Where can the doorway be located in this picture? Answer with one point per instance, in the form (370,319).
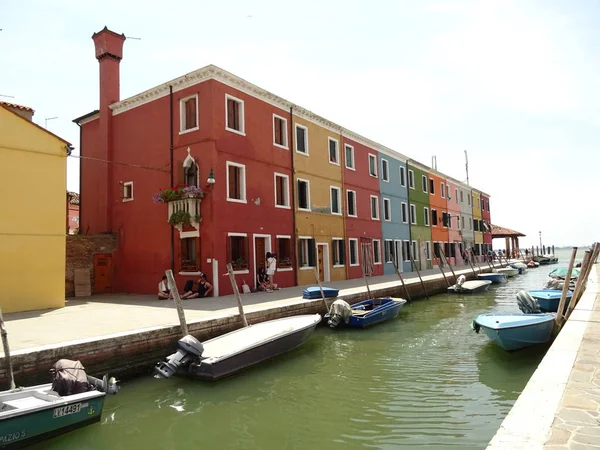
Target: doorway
(262,245)
(103,273)
(398,255)
(323,261)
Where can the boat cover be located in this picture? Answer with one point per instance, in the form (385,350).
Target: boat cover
(69,377)
(314,292)
(561,272)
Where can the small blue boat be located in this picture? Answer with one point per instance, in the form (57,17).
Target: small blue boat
(495,278)
(314,292)
(513,331)
(548,299)
(366,313)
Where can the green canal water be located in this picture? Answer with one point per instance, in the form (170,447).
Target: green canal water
(423,380)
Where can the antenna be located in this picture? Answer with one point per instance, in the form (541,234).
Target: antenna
(467,166)
(136,38)
(7,96)
(434,162)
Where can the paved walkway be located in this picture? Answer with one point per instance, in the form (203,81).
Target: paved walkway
(101,315)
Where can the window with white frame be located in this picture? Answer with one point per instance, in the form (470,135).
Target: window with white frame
(402,176)
(431,186)
(404,212)
(428,250)
(303,194)
(415,250)
(456,195)
(374,207)
(301,139)
(238,251)
(306,252)
(349,150)
(351,203)
(188,114)
(376,251)
(282,190)
(434,217)
(463,222)
(353,251)
(372,165)
(411,179)
(280,133)
(234,114)
(388,251)
(470,223)
(284,252)
(190,174)
(462,196)
(426,216)
(334,151)
(413,214)
(424,183)
(442,190)
(469,199)
(458,222)
(339,255)
(387,210)
(128,191)
(448,191)
(385,170)
(335,194)
(236,182)
(406,250)
(449,220)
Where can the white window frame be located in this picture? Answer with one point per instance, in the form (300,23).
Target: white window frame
(456,194)
(304,240)
(426,184)
(414,250)
(469,199)
(401,172)
(242,115)
(377,243)
(243,271)
(391,260)
(307,194)
(388,202)
(333,248)
(285,135)
(355,241)
(339,192)
(404,218)
(182,115)
(244,185)
(372,156)
(447,191)
(442,189)
(385,170)
(428,250)
(426,216)
(462,222)
(287,190)
(353,204)
(277,238)
(371,206)
(337,151)
(351,148)
(411,179)
(130,184)
(305,139)
(412,215)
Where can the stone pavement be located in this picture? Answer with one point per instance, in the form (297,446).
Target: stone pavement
(101,315)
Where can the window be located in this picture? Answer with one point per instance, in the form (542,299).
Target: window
(458,222)
(434,218)
(462,196)
(449,220)
(128,191)
(334,152)
(351,203)
(428,250)
(353,246)
(448,191)
(385,170)
(235,114)
(280,135)
(387,210)
(237,251)
(402,176)
(301,139)
(188,255)
(456,194)
(413,214)
(388,250)
(372,165)
(406,250)
(403,212)
(188,114)
(463,222)
(282,190)
(190,174)
(303,194)
(431,186)
(339,257)
(236,182)
(436,250)
(445,220)
(349,150)
(336,207)
(424,183)
(415,251)
(426,216)
(442,191)
(411,179)
(376,251)
(284,252)
(374,207)
(470,223)
(306,251)
(476,225)
(469,199)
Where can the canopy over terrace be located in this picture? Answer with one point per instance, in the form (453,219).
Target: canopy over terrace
(511,237)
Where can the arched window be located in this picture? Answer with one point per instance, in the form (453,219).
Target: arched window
(191,175)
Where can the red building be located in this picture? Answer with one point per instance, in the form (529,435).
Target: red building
(486,217)
(206,129)
(72,212)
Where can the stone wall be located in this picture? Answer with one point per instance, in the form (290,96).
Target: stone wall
(80,255)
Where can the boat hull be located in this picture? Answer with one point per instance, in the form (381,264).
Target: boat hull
(549,299)
(495,278)
(471,287)
(508,271)
(389,310)
(519,336)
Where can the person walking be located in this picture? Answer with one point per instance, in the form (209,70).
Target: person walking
(271,268)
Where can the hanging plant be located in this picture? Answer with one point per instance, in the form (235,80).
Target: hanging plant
(179,192)
(180,218)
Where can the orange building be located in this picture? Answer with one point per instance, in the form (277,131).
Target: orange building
(440,221)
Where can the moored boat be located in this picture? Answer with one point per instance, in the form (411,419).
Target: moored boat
(513,331)
(314,292)
(495,278)
(363,314)
(508,271)
(468,287)
(548,299)
(521,267)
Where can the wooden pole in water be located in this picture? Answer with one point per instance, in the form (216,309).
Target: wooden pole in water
(321,289)
(9,368)
(365,253)
(442,270)
(401,280)
(476,262)
(470,252)
(581,280)
(419,273)
(585,271)
(447,262)
(177,298)
(236,291)
(563,298)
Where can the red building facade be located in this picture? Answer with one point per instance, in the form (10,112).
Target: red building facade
(486,217)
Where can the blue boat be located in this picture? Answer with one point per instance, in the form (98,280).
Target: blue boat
(513,331)
(364,314)
(548,299)
(314,292)
(495,278)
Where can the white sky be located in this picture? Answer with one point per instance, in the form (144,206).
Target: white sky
(514,82)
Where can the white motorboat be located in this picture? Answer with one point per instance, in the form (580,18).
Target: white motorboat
(469,287)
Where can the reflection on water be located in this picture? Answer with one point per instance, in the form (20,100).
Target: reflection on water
(425,379)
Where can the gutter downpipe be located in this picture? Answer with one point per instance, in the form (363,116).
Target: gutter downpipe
(293,196)
(80,202)
(409,221)
(171,146)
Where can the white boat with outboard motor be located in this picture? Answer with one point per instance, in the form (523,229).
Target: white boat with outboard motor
(468,287)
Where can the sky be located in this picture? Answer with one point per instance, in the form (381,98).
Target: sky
(513,82)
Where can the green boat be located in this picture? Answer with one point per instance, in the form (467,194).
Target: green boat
(36,413)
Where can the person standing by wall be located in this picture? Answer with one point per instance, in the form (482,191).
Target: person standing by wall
(271,268)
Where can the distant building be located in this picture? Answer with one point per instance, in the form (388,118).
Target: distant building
(72,212)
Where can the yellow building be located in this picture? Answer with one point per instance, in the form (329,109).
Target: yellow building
(33,176)
(477,220)
(319,201)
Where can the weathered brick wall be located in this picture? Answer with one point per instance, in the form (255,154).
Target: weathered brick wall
(80,255)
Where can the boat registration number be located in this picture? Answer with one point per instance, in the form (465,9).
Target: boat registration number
(11,437)
(67,410)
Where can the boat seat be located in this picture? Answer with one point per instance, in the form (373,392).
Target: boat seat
(360,312)
(26,402)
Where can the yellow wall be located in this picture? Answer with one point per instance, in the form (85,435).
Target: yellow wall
(476,196)
(319,223)
(33,218)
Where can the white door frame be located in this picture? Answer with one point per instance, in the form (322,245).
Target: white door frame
(398,254)
(326,274)
(267,249)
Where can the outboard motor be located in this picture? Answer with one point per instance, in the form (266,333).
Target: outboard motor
(554,283)
(189,348)
(459,282)
(527,303)
(107,385)
(340,310)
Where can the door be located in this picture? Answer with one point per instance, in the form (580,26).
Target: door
(323,262)
(260,253)
(102,273)
(398,255)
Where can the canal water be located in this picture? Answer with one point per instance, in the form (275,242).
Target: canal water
(423,380)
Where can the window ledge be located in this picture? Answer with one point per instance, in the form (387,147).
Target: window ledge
(334,163)
(240,272)
(338,266)
(353,216)
(307,268)
(127,200)
(188,130)
(302,153)
(241,133)
(377,263)
(351,168)
(285,269)
(189,273)
(354,265)
(236,200)
(284,147)
(304,209)
(283,206)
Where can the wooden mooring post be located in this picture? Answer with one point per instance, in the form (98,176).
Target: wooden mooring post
(236,292)
(586,267)
(397,269)
(177,298)
(448,263)
(9,368)
(563,298)
(321,289)
(419,273)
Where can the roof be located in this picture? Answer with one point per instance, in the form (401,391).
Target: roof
(14,105)
(73,198)
(2,105)
(500,232)
(85,116)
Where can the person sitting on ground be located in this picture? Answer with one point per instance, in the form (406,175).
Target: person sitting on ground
(204,289)
(164,292)
(262,280)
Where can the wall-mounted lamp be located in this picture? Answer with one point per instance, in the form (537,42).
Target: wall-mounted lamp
(211,177)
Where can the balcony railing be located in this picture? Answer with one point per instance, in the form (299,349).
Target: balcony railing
(185,212)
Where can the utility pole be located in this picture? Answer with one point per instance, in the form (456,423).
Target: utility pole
(467,166)
(540,240)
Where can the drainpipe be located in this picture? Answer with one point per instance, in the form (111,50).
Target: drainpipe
(343,204)
(80,231)
(293,192)
(171,145)
(409,221)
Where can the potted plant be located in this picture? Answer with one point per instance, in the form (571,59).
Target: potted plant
(188,266)
(179,192)
(239,264)
(180,218)
(284,262)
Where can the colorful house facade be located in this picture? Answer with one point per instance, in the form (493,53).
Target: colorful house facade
(440,220)
(485,215)
(456,229)
(419,214)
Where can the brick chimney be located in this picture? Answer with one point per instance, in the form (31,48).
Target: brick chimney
(109,52)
